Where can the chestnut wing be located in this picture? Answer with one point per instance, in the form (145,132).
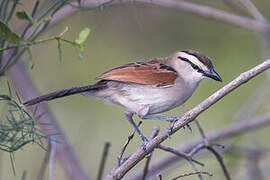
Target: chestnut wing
(152,73)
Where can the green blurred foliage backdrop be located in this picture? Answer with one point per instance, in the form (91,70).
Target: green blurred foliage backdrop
(121,34)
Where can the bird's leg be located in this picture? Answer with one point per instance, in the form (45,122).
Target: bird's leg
(171,119)
(163,118)
(130,119)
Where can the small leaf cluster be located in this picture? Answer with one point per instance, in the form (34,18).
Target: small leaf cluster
(21,42)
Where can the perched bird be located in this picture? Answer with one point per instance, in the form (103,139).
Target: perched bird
(148,87)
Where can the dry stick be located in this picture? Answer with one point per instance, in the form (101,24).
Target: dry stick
(183,155)
(188,117)
(226,133)
(220,160)
(103,160)
(209,146)
(130,137)
(180,154)
(154,133)
(193,173)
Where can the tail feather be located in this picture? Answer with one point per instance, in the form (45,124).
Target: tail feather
(63,93)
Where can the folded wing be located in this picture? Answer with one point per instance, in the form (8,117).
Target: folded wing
(152,73)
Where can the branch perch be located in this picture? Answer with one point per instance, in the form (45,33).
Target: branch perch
(188,117)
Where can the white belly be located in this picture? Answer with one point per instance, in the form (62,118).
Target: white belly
(144,100)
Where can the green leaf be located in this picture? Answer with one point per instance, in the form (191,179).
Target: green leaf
(30,57)
(23,15)
(83,36)
(9,36)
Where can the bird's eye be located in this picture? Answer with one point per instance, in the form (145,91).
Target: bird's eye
(194,66)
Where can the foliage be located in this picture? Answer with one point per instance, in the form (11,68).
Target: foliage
(22,42)
(17,127)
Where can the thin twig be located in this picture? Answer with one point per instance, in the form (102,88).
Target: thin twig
(193,173)
(154,133)
(220,160)
(180,154)
(210,148)
(130,137)
(103,160)
(188,157)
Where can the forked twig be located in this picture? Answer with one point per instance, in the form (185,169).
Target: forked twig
(130,137)
(180,154)
(210,148)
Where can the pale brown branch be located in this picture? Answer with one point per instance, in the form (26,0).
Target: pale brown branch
(226,133)
(137,156)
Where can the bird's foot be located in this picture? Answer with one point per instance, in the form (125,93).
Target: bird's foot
(188,126)
(145,142)
(172,122)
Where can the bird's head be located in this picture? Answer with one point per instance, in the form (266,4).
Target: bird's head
(194,66)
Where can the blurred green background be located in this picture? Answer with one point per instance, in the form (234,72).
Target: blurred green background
(125,33)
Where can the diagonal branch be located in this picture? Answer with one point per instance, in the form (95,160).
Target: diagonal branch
(188,117)
(226,133)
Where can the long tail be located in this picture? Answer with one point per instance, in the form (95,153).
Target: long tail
(63,93)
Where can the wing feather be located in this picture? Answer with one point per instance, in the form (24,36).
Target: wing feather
(153,73)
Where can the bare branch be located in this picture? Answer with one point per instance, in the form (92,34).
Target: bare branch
(120,157)
(220,160)
(137,156)
(180,154)
(226,133)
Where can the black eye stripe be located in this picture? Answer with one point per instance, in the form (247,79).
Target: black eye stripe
(194,66)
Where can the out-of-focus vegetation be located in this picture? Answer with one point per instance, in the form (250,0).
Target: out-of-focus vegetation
(121,34)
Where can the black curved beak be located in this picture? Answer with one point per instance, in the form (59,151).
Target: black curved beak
(212,74)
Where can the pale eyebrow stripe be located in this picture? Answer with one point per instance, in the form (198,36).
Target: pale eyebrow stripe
(194,60)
